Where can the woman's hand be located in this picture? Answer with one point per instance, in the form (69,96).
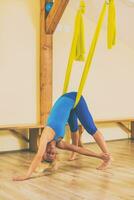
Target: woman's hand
(21,178)
(47,135)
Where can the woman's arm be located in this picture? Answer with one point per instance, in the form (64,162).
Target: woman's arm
(47,136)
(70,147)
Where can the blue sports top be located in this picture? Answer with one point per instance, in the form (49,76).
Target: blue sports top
(59,114)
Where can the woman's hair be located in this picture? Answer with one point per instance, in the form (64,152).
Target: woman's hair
(46,166)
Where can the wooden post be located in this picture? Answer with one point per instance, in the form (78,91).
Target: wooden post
(46,62)
(132,130)
(33,136)
(45,69)
(48,25)
(55,15)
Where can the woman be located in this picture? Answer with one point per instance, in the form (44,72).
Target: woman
(52,135)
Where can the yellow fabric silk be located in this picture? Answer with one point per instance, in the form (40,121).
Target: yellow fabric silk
(77,51)
(78,44)
(110,42)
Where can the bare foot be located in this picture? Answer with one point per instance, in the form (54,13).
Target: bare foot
(107,160)
(72,157)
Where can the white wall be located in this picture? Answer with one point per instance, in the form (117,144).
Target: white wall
(19,68)
(19,61)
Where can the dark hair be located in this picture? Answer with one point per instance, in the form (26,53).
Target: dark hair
(48,161)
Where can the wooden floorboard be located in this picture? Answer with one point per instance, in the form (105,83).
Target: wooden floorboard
(77,180)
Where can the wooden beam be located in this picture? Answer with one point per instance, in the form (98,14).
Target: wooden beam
(55,15)
(114,120)
(46,61)
(23,126)
(124,128)
(20,126)
(20,135)
(132,130)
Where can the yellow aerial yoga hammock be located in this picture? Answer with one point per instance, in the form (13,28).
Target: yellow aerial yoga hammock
(111,36)
(78,44)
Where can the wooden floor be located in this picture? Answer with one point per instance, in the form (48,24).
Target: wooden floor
(77,180)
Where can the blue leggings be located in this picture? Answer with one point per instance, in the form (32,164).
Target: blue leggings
(82,113)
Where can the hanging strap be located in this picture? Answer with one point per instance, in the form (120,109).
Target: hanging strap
(111,41)
(111,27)
(77,51)
(80,46)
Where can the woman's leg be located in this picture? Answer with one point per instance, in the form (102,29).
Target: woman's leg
(86,120)
(81,130)
(73,124)
(70,147)
(76,130)
(76,140)
(98,137)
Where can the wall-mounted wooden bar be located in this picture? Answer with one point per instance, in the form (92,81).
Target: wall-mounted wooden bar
(21,126)
(114,120)
(15,126)
(55,15)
